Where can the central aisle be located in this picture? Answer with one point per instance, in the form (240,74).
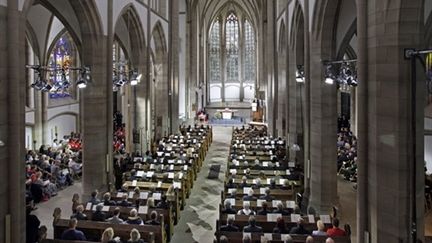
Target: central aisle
(198,219)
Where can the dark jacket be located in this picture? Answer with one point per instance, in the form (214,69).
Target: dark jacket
(99,216)
(229,211)
(79,216)
(137,220)
(249,198)
(152,222)
(252,229)
(299,230)
(229,227)
(73,234)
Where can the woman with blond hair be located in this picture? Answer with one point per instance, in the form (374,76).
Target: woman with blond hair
(135,237)
(320,229)
(108,236)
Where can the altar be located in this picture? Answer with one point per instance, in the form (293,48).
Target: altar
(227,113)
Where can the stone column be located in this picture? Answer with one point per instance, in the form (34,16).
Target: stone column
(305,103)
(320,135)
(174,40)
(270,68)
(12,123)
(385,193)
(97,110)
(362,125)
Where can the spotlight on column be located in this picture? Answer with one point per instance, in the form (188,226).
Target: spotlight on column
(47,87)
(81,84)
(329,77)
(135,78)
(84,78)
(2,143)
(300,76)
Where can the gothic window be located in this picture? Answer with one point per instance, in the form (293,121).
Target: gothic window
(215,53)
(232,48)
(231,58)
(60,60)
(249,53)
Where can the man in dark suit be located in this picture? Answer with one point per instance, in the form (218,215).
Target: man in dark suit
(229,226)
(250,196)
(124,202)
(299,229)
(267,195)
(227,208)
(264,209)
(98,215)
(252,227)
(153,219)
(281,210)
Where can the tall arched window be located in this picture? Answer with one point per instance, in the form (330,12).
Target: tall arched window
(249,62)
(60,60)
(215,61)
(231,59)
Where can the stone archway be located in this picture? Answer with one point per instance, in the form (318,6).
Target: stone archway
(163,98)
(129,30)
(12,210)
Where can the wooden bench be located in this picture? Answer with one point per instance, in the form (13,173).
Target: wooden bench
(166,217)
(243,220)
(136,200)
(237,237)
(93,230)
(65,241)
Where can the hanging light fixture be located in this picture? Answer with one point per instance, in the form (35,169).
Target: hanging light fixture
(343,72)
(121,77)
(44,86)
(329,77)
(300,75)
(83,78)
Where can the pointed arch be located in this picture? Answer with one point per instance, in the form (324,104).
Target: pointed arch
(135,33)
(282,36)
(158,39)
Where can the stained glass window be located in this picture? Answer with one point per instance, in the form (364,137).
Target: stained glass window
(231,51)
(60,60)
(249,53)
(232,48)
(215,53)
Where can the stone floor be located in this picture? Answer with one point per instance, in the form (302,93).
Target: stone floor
(63,200)
(198,219)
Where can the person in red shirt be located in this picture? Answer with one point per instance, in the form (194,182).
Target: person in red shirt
(335,230)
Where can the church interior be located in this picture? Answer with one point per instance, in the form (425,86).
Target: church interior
(189,121)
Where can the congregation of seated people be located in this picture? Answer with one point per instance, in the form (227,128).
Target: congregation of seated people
(346,151)
(52,168)
(253,154)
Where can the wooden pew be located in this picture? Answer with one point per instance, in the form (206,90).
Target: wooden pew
(243,220)
(136,200)
(237,237)
(65,241)
(165,214)
(163,187)
(93,230)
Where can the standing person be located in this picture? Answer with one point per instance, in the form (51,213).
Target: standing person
(32,229)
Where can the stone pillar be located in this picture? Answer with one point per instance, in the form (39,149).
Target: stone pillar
(320,135)
(174,41)
(270,65)
(97,110)
(305,102)
(362,125)
(385,186)
(12,124)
